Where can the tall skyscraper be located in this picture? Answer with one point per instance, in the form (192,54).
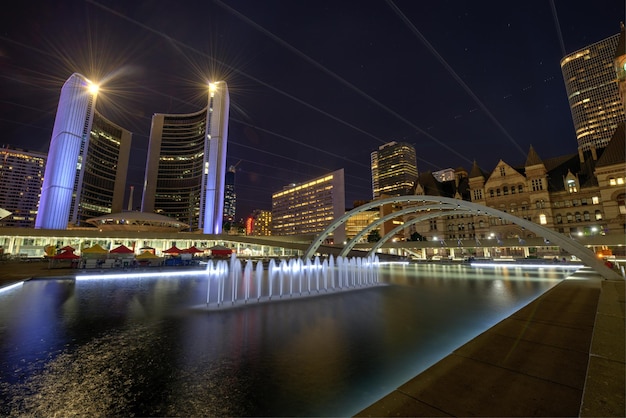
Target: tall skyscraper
(394,169)
(230,195)
(87,161)
(21,178)
(186,164)
(309,207)
(619,64)
(592,92)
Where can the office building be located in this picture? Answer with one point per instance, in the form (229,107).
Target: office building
(309,207)
(186,164)
(230,195)
(619,64)
(259,223)
(87,161)
(21,178)
(592,92)
(394,169)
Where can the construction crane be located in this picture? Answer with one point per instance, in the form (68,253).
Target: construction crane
(233,168)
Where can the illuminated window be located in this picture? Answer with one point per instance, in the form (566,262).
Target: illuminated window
(542,219)
(595,200)
(571,186)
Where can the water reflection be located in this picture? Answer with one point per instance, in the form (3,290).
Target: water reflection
(138,347)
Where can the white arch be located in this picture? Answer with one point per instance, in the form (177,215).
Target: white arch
(393,215)
(406,224)
(573,247)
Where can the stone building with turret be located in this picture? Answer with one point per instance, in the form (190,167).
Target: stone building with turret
(577,194)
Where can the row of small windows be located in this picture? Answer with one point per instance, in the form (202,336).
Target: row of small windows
(595,200)
(578,217)
(502,192)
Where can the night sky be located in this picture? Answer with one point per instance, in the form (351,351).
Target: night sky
(315,86)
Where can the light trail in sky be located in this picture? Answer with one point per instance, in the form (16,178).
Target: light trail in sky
(340,79)
(454,75)
(182,45)
(557,26)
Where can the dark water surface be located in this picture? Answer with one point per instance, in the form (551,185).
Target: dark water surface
(127,347)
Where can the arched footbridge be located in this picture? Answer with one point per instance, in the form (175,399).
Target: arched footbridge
(428,207)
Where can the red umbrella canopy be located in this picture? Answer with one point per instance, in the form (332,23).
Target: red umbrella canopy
(68,248)
(220,250)
(122,249)
(66,255)
(173,250)
(192,250)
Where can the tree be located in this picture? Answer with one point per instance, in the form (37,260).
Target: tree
(373,236)
(416,236)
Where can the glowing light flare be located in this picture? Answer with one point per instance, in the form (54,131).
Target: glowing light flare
(140,275)
(93,88)
(530,266)
(11,287)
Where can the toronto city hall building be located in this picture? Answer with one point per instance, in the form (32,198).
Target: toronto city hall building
(186,164)
(87,161)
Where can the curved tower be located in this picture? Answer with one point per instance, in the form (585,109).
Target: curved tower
(592,92)
(69,135)
(87,161)
(186,164)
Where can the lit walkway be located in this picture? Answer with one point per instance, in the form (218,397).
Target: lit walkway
(561,355)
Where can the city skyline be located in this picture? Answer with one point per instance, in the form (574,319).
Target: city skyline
(315,87)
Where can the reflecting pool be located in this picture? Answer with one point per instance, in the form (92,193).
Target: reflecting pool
(144,347)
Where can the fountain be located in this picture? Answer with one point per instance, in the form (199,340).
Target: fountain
(293,278)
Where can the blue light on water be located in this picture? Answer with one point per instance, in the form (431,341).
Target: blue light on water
(141,345)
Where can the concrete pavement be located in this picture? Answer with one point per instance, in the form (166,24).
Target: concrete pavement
(561,355)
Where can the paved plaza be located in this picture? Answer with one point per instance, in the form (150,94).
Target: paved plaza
(561,355)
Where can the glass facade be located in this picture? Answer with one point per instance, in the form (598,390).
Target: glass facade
(21,177)
(230,196)
(309,207)
(105,165)
(394,169)
(180,168)
(186,164)
(593,93)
